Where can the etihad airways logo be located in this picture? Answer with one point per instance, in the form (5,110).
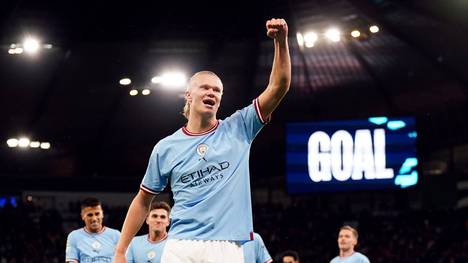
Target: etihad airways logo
(206,175)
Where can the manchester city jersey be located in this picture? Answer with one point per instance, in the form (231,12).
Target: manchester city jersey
(143,250)
(85,246)
(356,257)
(255,251)
(209,177)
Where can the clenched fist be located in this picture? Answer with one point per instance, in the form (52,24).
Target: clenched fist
(277,29)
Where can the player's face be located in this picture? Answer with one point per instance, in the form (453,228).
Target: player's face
(204,95)
(288,259)
(92,217)
(158,220)
(346,240)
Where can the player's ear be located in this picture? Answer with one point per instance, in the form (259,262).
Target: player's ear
(188,96)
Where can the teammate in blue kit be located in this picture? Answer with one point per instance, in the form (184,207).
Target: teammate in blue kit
(255,251)
(347,240)
(148,248)
(94,242)
(206,163)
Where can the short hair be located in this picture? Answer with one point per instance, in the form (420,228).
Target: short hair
(160,205)
(290,253)
(352,229)
(186,109)
(90,202)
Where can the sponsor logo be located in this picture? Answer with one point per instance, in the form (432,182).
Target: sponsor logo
(206,175)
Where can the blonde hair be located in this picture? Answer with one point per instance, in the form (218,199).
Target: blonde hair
(186,109)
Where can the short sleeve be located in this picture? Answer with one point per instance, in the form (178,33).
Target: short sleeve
(247,121)
(261,251)
(71,250)
(153,182)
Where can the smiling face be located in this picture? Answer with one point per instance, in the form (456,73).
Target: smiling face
(204,95)
(92,217)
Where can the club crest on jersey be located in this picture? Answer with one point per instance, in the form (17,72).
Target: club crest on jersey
(96,246)
(201,150)
(150,255)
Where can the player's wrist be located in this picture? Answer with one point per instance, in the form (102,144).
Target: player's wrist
(120,251)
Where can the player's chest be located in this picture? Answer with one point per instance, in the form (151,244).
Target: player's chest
(92,246)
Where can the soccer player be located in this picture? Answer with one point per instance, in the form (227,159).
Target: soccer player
(289,256)
(148,248)
(206,163)
(94,242)
(347,240)
(256,252)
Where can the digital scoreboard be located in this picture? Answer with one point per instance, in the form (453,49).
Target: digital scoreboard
(373,153)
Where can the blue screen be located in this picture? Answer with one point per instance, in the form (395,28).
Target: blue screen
(373,153)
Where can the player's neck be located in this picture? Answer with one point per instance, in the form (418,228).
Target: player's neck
(346,253)
(155,236)
(94,231)
(199,124)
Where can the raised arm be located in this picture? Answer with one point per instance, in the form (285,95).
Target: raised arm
(136,215)
(280,77)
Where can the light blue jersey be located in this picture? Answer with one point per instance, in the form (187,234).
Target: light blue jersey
(142,250)
(84,246)
(209,177)
(255,251)
(354,258)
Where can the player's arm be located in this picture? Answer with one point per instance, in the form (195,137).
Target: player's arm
(71,261)
(280,77)
(136,215)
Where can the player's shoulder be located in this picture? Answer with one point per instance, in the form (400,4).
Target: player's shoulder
(138,240)
(335,259)
(239,112)
(362,257)
(111,231)
(76,233)
(169,140)
(141,238)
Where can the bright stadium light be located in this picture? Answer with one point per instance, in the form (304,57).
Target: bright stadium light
(310,38)
(374,29)
(133,92)
(12,143)
(300,39)
(23,142)
(45,145)
(174,79)
(145,92)
(171,80)
(156,79)
(333,34)
(31,45)
(34,144)
(355,33)
(125,81)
